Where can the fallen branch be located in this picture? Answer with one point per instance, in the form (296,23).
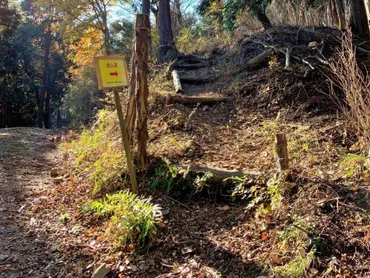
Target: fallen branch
(287,57)
(308,63)
(194,99)
(218,173)
(177,202)
(255,62)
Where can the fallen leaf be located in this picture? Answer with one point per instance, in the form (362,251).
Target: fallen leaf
(35,208)
(265,236)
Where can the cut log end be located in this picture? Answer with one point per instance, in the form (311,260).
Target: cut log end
(177,82)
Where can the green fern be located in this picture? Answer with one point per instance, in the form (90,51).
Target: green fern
(132,219)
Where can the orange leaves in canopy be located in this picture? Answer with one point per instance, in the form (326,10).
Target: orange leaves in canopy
(88,46)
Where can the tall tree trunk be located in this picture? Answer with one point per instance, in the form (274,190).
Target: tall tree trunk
(146,7)
(45,74)
(167,49)
(176,16)
(358,21)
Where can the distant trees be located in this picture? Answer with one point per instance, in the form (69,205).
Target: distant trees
(226,13)
(24,79)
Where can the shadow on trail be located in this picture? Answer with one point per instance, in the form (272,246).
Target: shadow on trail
(196,242)
(25,163)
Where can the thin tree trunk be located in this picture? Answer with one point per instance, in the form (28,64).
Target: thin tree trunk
(45,74)
(146,7)
(142,91)
(167,50)
(47,111)
(176,17)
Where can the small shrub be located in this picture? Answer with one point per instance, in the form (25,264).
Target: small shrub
(132,219)
(353,164)
(63,218)
(164,177)
(355,84)
(99,154)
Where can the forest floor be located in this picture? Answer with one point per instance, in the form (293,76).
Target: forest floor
(26,158)
(312,222)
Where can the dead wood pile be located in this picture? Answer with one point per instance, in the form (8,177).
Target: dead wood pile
(296,73)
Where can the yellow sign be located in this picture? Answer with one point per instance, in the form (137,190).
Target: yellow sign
(111,71)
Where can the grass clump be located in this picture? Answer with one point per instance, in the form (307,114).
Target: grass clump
(353,164)
(132,219)
(98,153)
(297,267)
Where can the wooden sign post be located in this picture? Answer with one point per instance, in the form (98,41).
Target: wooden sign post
(112,73)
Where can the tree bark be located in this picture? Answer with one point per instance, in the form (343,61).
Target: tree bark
(142,91)
(167,49)
(358,21)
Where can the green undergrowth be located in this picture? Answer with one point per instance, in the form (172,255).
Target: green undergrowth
(185,184)
(132,219)
(297,267)
(98,154)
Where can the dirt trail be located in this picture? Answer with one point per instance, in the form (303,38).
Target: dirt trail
(26,157)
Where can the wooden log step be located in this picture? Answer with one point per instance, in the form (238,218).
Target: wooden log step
(196,80)
(194,99)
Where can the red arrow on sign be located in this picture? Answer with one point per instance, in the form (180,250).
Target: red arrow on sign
(114,73)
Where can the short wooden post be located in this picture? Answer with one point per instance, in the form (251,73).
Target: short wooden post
(125,141)
(142,33)
(282,152)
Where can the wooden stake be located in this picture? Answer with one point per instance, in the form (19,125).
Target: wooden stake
(142,91)
(282,152)
(125,141)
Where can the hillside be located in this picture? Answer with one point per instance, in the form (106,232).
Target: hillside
(225,211)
